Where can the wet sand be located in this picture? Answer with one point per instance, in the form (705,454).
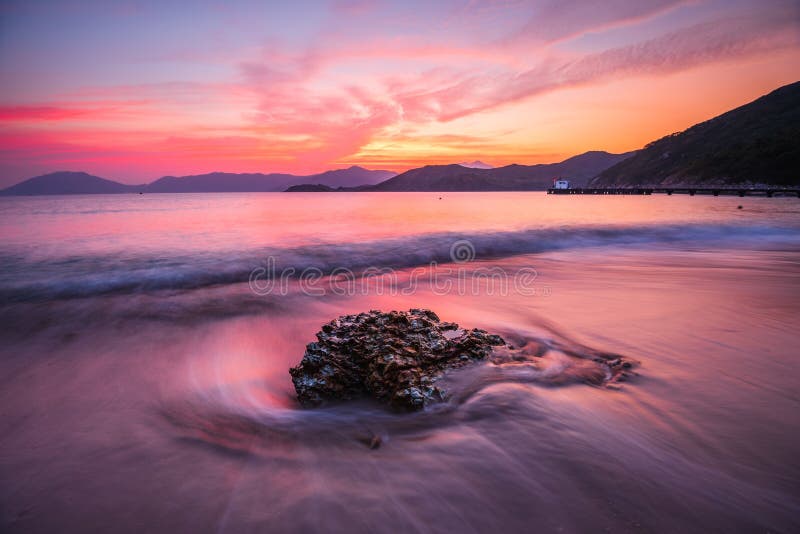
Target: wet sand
(703,439)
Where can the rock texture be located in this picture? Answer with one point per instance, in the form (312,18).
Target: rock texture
(395,357)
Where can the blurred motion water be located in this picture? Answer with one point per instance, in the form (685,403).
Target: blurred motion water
(144,385)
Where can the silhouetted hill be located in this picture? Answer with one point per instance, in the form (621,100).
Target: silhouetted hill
(351,177)
(68,183)
(221,182)
(755,143)
(578,169)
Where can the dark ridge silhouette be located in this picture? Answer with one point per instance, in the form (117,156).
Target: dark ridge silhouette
(221,182)
(68,183)
(578,169)
(352,177)
(753,144)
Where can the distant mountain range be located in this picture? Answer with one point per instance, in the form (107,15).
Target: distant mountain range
(219,182)
(758,143)
(578,169)
(456,177)
(80,183)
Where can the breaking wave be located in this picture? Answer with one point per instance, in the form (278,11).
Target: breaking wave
(27,277)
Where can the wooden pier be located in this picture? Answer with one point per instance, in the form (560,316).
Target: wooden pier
(691,191)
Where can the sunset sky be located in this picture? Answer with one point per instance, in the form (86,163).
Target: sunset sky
(135,90)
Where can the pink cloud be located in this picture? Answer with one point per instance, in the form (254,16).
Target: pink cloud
(557,20)
(67,111)
(337,120)
(720,40)
(33,113)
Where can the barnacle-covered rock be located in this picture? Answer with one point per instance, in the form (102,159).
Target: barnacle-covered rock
(395,357)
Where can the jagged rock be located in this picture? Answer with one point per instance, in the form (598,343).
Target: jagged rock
(395,357)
